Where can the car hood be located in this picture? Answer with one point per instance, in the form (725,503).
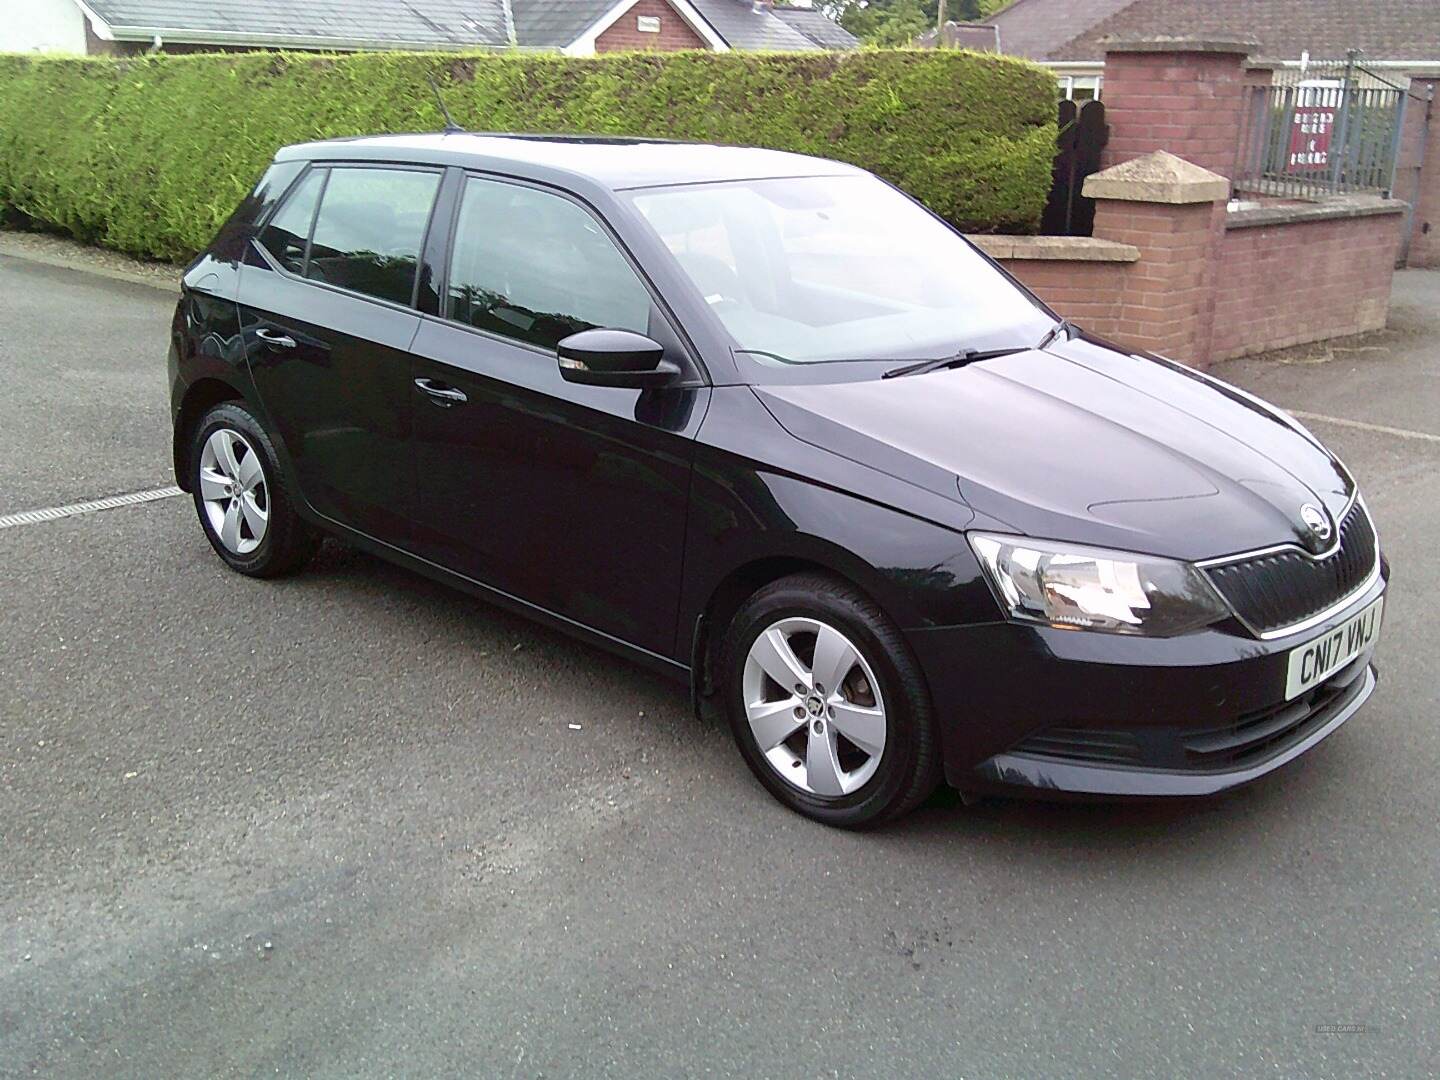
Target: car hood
(1087,443)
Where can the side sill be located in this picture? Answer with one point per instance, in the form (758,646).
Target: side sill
(652,660)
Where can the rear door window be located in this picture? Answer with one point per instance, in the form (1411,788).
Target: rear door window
(536,267)
(370,228)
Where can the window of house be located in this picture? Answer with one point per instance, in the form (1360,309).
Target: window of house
(370,229)
(537,268)
(1079,87)
(284,238)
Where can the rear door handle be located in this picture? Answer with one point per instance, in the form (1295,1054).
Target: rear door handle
(442,394)
(275,338)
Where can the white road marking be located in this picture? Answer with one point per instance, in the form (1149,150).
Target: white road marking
(54,513)
(1379,429)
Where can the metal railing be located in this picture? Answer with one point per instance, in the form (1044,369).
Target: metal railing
(1331,127)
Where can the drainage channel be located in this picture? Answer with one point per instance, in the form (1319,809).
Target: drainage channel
(55,513)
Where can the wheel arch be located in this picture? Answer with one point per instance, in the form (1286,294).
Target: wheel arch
(200,397)
(742,582)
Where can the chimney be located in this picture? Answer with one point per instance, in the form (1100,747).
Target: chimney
(761,6)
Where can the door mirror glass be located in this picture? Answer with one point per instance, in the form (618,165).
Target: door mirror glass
(615,358)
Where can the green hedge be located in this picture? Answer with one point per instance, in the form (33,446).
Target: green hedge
(149,154)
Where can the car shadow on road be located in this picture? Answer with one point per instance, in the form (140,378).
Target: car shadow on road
(1013,826)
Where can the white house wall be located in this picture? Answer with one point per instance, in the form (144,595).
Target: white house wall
(42,26)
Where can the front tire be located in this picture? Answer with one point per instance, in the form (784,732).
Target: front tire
(241,497)
(827,705)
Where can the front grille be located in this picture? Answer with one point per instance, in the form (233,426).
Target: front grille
(1079,744)
(1270,592)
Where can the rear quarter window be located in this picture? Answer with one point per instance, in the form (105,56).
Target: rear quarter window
(286,234)
(230,242)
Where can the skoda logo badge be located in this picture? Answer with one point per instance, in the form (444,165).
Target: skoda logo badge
(1316,521)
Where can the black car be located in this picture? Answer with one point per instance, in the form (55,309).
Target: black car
(764,422)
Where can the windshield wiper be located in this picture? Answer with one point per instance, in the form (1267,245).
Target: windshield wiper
(959,359)
(1064,326)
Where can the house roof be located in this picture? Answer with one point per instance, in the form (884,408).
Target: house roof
(379,23)
(818,27)
(1381,29)
(1037,28)
(743,27)
(982,37)
(555,23)
(541,24)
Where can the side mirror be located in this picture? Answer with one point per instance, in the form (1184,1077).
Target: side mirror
(615,358)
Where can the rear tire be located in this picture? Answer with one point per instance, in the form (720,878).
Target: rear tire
(855,753)
(241,496)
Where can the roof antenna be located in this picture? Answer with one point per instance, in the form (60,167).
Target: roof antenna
(451,127)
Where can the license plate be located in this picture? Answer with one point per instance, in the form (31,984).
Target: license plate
(1315,660)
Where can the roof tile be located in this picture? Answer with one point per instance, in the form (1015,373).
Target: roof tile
(1380,29)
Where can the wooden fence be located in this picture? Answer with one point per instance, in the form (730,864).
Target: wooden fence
(1083,134)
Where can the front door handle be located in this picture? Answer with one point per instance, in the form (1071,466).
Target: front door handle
(275,338)
(440,393)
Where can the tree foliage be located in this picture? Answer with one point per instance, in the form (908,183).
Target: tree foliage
(899,22)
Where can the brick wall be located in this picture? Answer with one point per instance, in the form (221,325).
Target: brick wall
(1169,293)
(1302,281)
(1198,284)
(1189,103)
(1408,161)
(1425,212)
(1090,293)
(675,32)
(1081,277)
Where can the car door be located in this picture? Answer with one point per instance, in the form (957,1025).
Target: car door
(327,309)
(570,497)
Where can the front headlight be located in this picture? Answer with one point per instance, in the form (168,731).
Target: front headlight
(1091,589)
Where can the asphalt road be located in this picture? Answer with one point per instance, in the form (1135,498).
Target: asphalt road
(341,825)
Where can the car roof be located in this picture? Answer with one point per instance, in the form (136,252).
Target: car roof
(614,162)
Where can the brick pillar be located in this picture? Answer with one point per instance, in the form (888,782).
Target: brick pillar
(1425,215)
(1174,213)
(1185,96)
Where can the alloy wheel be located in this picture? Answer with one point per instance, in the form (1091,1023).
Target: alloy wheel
(814,707)
(234,491)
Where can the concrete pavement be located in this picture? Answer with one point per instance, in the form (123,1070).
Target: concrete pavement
(340,825)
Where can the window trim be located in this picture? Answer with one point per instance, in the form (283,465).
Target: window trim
(314,217)
(329,167)
(698,375)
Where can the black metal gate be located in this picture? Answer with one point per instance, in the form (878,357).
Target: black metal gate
(1083,134)
(1326,128)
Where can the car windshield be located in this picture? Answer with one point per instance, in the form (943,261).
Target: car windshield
(806,270)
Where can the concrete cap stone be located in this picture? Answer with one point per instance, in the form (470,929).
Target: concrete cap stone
(1158,177)
(1179,44)
(1054,248)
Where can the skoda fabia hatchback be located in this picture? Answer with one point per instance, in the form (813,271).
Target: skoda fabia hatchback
(764,422)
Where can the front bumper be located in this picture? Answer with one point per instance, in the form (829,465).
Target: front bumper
(1040,711)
